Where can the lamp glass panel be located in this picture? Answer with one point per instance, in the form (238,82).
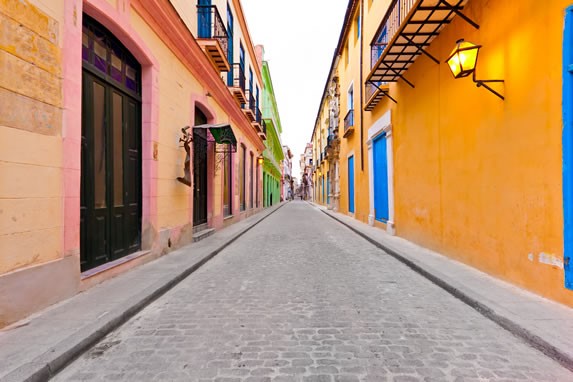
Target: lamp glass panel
(454,64)
(468,57)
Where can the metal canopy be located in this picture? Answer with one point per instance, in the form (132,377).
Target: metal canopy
(415,31)
(223,136)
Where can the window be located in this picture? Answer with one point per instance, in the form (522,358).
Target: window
(350,99)
(230,46)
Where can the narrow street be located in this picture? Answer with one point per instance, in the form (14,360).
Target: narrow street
(302,298)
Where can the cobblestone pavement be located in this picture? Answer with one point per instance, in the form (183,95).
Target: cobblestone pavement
(302,298)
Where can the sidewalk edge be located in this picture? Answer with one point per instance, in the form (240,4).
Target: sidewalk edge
(48,364)
(514,328)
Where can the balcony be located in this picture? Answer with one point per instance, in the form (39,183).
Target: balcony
(406,30)
(249,107)
(263,132)
(349,123)
(258,122)
(212,36)
(237,83)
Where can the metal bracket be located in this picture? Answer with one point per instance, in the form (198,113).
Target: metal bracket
(480,83)
(385,92)
(457,12)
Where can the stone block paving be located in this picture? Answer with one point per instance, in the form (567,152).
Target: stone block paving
(302,298)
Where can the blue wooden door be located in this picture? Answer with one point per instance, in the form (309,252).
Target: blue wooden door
(351,184)
(204,18)
(230,45)
(568,147)
(380,179)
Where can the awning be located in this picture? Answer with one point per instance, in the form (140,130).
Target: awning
(411,30)
(222,134)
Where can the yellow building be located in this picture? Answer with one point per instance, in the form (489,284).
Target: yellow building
(479,171)
(127,129)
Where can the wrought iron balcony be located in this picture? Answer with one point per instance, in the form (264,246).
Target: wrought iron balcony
(263,132)
(212,36)
(406,30)
(237,85)
(249,107)
(329,140)
(349,123)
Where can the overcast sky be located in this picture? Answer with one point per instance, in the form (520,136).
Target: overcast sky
(299,37)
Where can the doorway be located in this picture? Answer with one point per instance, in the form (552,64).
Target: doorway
(110,196)
(200,189)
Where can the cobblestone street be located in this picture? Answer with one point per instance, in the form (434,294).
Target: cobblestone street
(302,298)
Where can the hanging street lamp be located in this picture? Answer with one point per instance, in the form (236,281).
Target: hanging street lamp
(463,61)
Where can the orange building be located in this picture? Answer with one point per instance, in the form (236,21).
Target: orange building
(476,170)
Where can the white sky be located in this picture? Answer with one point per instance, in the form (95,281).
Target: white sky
(299,37)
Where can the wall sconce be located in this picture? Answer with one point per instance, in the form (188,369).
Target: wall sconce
(463,61)
(260,159)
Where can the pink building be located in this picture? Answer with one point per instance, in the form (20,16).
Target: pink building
(127,129)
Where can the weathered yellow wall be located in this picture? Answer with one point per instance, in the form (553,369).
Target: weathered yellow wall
(475,177)
(31,183)
(350,73)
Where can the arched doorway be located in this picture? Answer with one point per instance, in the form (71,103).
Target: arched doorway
(110,213)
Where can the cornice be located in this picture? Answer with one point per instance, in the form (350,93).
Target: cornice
(164,20)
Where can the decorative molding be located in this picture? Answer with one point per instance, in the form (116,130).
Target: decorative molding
(167,24)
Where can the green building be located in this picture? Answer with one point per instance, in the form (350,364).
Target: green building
(273,154)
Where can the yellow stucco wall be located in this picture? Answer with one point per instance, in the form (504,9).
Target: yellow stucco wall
(31,181)
(477,178)
(349,72)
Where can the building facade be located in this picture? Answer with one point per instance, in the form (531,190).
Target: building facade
(287,191)
(273,154)
(127,128)
(424,154)
(307,169)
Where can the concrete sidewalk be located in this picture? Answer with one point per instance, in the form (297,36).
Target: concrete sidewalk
(545,325)
(36,348)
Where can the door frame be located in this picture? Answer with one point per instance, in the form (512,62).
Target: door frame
(382,126)
(353,188)
(567,142)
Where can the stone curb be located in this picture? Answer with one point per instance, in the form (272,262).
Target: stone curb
(513,327)
(47,365)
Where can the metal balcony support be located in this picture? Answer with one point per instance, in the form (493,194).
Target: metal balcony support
(384,91)
(456,10)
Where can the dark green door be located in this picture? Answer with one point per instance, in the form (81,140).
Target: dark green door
(111,151)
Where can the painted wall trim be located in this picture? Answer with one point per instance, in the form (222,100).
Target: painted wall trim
(567,141)
(166,23)
(382,126)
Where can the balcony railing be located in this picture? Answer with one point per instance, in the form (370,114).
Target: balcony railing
(329,140)
(211,25)
(259,116)
(239,77)
(212,35)
(349,122)
(236,82)
(376,51)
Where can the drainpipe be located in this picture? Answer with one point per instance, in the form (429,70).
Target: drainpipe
(361,85)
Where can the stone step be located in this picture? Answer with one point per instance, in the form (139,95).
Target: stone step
(198,236)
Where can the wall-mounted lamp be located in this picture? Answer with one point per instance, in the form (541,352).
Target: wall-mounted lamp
(463,61)
(260,159)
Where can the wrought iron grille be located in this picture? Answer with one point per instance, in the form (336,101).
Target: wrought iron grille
(239,76)
(376,51)
(259,116)
(252,104)
(211,25)
(349,120)
(329,140)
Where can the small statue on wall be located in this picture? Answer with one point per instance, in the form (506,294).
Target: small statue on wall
(186,139)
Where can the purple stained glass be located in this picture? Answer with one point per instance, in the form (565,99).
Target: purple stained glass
(130,78)
(85,46)
(100,56)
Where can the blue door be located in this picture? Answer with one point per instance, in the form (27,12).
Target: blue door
(380,179)
(351,184)
(204,18)
(568,147)
(230,45)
